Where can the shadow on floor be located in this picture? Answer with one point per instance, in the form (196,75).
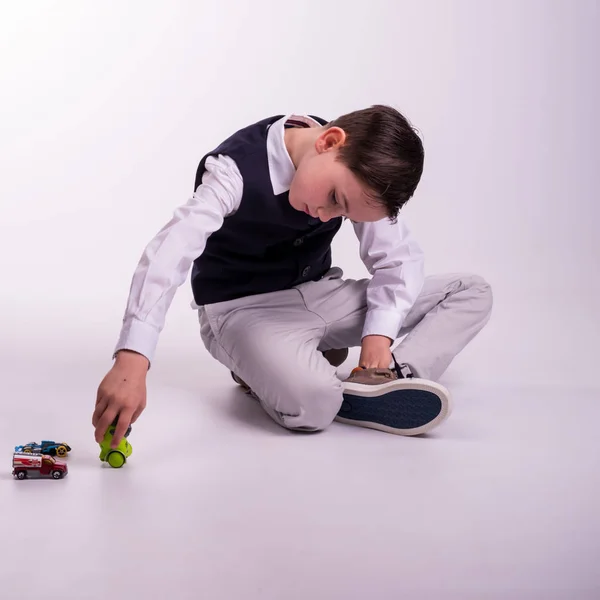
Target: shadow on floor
(245,409)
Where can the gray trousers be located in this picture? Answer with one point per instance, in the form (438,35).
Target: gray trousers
(274,341)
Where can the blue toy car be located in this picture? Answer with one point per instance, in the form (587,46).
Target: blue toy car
(46,447)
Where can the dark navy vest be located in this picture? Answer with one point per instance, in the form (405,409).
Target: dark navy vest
(266,245)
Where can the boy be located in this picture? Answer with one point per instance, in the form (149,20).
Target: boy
(257,231)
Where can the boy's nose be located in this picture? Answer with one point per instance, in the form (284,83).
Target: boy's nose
(324,215)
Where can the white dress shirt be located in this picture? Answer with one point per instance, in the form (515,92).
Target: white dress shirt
(388,251)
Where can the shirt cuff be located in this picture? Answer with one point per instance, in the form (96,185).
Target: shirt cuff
(139,337)
(383,322)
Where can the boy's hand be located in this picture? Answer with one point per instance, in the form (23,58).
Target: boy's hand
(376,352)
(121,393)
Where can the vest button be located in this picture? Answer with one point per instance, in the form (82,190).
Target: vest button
(305,271)
(298,242)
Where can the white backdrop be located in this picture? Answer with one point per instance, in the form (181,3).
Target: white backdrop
(107,107)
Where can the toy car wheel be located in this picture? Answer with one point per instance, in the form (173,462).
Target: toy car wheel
(115,459)
(61,451)
(21,474)
(56,474)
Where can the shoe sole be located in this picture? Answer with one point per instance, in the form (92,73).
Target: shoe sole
(402,407)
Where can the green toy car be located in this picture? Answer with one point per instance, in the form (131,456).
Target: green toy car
(115,457)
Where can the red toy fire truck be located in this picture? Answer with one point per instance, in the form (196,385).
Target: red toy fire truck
(37,465)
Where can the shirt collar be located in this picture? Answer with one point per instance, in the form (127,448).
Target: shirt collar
(281,167)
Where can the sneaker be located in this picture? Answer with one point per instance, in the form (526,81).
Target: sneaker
(394,401)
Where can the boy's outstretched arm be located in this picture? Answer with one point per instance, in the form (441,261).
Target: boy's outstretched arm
(163,267)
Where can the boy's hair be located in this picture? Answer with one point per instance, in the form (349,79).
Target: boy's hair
(384,152)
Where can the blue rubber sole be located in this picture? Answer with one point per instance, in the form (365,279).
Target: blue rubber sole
(398,409)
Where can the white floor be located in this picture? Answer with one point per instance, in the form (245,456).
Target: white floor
(218,502)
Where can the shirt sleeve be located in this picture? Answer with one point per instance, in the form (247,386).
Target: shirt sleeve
(396,263)
(167,259)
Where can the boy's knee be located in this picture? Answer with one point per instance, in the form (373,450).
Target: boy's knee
(484,293)
(311,406)
(477,289)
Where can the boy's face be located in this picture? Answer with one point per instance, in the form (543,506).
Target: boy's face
(325,188)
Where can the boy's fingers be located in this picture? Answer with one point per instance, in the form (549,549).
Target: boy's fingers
(105,420)
(136,414)
(121,428)
(101,404)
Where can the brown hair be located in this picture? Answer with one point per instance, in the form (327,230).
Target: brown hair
(384,152)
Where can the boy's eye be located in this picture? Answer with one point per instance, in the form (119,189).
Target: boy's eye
(333,198)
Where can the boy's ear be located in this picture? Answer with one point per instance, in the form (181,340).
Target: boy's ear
(330,139)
